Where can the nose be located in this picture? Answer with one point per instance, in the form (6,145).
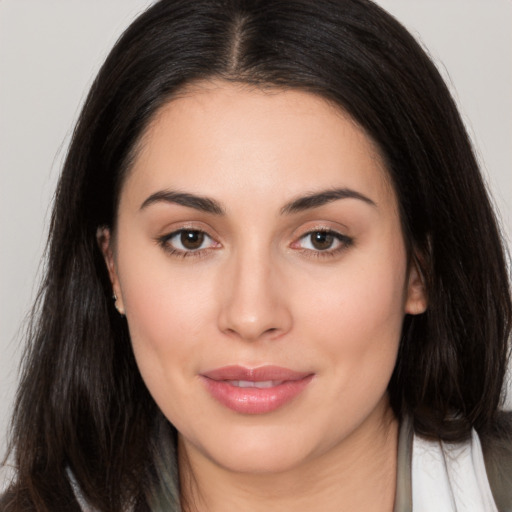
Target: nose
(254,304)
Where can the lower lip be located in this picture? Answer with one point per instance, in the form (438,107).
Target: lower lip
(255,400)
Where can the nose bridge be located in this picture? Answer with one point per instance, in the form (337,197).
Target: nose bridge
(253,306)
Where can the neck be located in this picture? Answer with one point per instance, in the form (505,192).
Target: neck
(357,475)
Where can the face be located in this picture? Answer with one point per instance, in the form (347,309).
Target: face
(259,259)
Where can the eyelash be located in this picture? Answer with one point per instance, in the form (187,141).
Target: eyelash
(164,242)
(344,243)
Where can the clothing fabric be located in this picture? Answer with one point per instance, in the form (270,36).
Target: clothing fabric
(451,477)
(440,476)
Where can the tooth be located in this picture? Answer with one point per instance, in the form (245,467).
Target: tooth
(264,384)
(241,383)
(257,384)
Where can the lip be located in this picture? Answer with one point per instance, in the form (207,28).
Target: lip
(255,390)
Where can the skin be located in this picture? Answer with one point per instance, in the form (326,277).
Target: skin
(259,291)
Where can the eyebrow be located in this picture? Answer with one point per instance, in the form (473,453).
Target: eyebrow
(204,204)
(208,205)
(317,199)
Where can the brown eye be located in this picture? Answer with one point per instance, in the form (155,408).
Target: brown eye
(326,242)
(192,240)
(322,240)
(187,242)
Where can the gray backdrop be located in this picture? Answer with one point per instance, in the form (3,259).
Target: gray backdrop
(50,50)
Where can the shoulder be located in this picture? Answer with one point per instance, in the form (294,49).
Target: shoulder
(11,501)
(478,470)
(19,500)
(497,451)
(7,502)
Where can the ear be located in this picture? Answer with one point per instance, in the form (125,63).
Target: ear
(105,243)
(416,299)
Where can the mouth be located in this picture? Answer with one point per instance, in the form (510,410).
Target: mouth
(255,390)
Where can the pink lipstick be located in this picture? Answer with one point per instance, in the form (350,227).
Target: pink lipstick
(255,390)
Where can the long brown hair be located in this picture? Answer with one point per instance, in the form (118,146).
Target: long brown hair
(82,405)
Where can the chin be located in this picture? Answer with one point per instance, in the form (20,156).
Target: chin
(262,460)
(255,451)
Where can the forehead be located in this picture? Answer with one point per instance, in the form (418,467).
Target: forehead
(218,137)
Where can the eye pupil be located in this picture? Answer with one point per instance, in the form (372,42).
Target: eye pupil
(192,239)
(322,240)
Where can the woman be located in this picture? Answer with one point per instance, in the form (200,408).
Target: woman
(273,267)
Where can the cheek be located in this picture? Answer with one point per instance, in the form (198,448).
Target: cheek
(356,324)
(168,316)
(357,313)
(162,315)
(167,309)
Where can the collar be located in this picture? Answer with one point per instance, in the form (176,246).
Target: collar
(403,493)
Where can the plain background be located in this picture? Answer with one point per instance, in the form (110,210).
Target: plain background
(50,51)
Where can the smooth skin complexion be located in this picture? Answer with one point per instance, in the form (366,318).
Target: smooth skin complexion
(258,228)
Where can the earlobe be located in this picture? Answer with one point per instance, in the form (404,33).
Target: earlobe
(104,240)
(416,301)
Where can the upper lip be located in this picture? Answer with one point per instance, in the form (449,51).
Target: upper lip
(261,373)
